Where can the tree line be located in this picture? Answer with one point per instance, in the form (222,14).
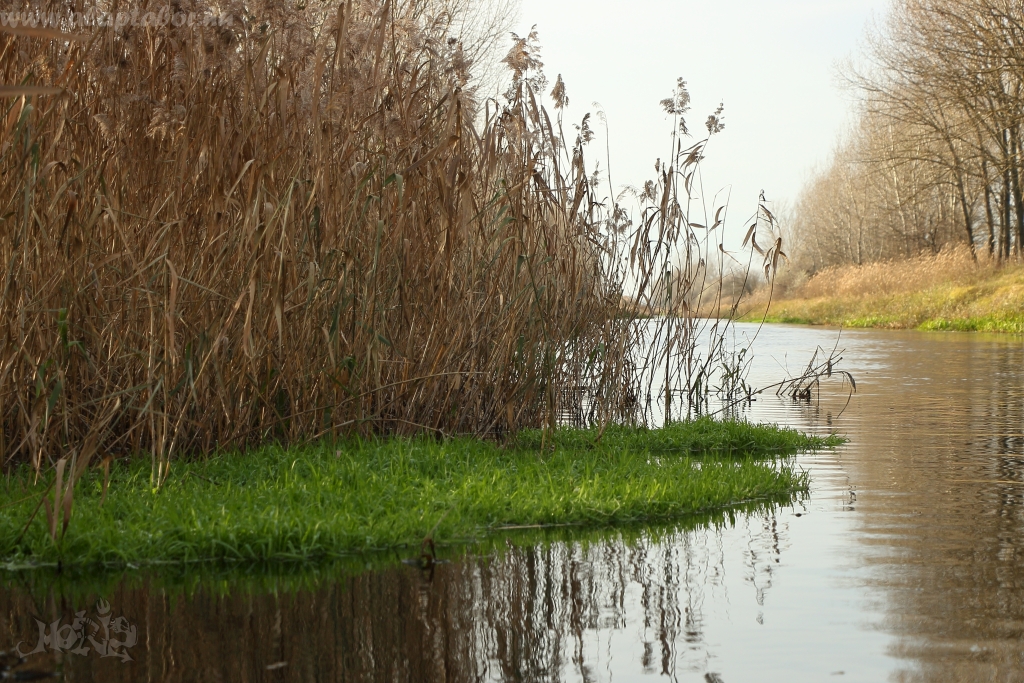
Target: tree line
(935,156)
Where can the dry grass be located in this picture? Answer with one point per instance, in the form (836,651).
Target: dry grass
(948,290)
(951,266)
(298,225)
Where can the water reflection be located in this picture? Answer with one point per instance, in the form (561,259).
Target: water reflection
(539,608)
(937,454)
(950,482)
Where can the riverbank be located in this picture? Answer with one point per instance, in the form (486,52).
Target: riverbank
(329,500)
(947,291)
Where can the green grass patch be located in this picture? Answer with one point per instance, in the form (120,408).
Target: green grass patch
(83,584)
(332,499)
(988,323)
(783,318)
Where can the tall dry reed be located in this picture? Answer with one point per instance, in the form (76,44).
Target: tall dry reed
(298,223)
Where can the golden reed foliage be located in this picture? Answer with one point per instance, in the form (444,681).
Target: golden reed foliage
(292,225)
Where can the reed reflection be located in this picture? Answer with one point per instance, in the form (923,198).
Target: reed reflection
(546,610)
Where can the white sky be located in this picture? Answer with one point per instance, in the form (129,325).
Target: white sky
(772,62)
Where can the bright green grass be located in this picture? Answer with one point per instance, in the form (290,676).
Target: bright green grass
(1011,324)
(327,500)
(988,323)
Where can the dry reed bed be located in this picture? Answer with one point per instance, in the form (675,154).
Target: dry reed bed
(283,228)
(950,266)
(300,224)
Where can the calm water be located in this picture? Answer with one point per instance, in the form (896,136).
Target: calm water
(905,563)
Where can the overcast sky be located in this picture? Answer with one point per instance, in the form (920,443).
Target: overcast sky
(772,62)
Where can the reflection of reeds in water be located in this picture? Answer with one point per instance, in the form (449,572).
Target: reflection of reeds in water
(530,612)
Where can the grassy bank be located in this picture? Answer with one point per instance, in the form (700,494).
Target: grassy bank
(331,499)
(942,292)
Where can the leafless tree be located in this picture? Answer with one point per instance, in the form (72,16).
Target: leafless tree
(936,156)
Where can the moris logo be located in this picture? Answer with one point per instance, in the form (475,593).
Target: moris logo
(109,636)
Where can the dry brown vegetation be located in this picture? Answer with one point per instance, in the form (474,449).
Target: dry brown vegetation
(301,223)
(951,290)
(896,277)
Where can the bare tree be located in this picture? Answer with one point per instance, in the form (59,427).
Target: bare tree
(481,29)
(936,155)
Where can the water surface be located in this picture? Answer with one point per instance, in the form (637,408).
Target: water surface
(904,564)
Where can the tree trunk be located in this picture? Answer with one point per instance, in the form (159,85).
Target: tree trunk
(989,217)
(1018,204)
(1006,213)
(968,223)
(958,174)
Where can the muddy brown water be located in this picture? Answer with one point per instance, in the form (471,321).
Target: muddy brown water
(905,563)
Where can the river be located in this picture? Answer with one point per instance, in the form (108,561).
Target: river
(902,564)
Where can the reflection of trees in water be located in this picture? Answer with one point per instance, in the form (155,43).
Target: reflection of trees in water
(544,612)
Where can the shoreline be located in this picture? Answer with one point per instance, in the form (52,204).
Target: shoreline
(944,292)
(1009,326)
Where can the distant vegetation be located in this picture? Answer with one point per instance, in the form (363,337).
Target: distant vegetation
(937,153)
(946,291)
